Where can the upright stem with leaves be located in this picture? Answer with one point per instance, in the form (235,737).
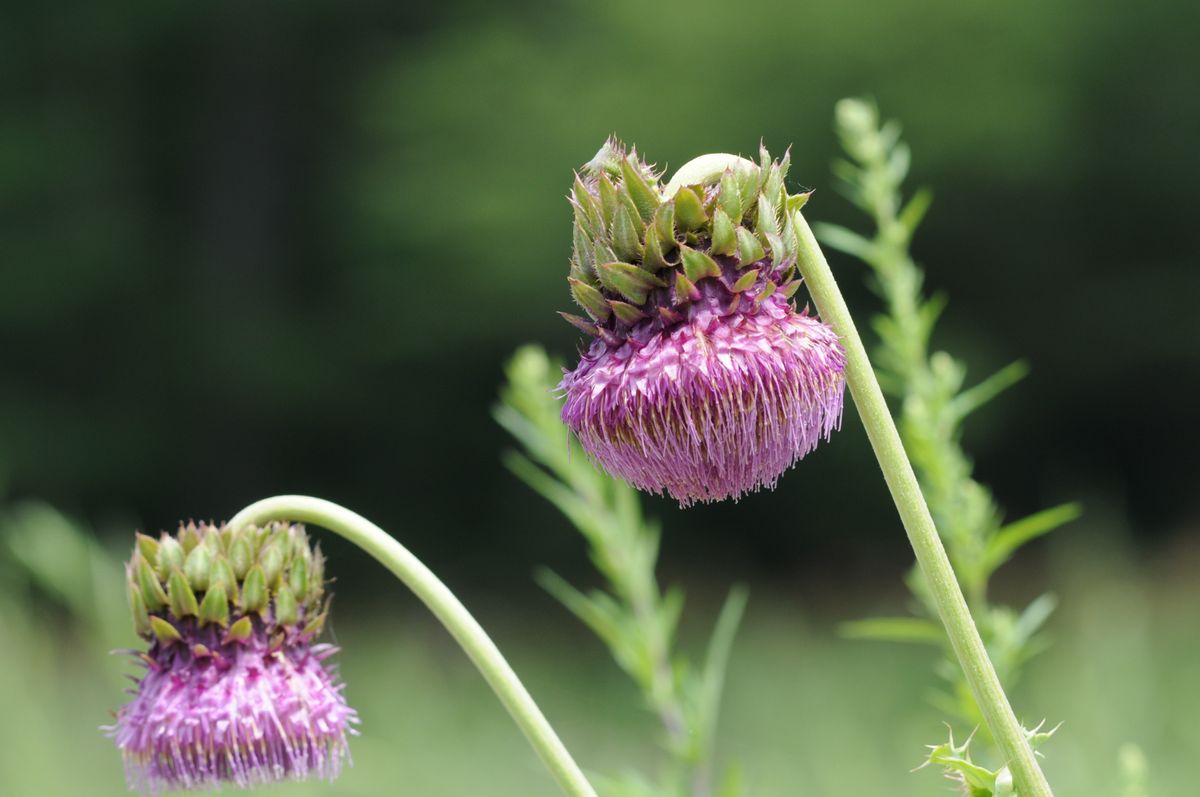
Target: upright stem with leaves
(633,617)
(932,407)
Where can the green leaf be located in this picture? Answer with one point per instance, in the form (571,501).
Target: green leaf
(970,400)
(894,629)
(915,209)
(746,281)
(844,241)
(716,662)
(1014,535)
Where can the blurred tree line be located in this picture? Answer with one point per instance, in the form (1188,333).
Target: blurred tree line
(268,247)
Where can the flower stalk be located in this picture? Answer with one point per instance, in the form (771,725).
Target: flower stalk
(906,493)
(445,606)
(918,522)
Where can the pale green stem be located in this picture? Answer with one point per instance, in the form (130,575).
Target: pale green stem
(914,513)
(447,608)
(906,493)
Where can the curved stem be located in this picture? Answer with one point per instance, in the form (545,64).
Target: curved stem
(906,493)
(918,523)
(448,609)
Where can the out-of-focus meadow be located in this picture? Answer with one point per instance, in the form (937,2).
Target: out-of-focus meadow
(261,248)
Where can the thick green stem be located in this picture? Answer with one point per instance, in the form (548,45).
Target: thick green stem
(914,513)
(447,608)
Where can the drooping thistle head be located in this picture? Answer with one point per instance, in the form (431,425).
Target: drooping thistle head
(235,689)
(703,380)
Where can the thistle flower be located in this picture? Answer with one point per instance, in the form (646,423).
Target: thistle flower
(235,691)
(703,381)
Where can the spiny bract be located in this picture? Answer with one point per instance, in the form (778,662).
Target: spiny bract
(235,691)
(703,380)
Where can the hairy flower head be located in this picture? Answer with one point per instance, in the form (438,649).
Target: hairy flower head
(703,381)
(235,690)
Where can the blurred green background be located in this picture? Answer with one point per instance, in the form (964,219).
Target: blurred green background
(285,247)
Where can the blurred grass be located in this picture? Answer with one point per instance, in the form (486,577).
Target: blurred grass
(807,712)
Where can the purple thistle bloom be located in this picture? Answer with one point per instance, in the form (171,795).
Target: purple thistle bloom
(703,381)
(235,691)
(714,408)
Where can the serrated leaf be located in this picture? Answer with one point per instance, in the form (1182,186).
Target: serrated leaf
(625,241)
(689,210)
(797,201)
(664,225)
(750,250)
(180,595)
(746,281)
(729,197)
(768,218)
(582,324)
(653,257)
(628,280)
(215,607)
(609,204)
(626,312)
(685,289)
(590,300)
(724,234)
(644,196)
(164,631)
(698,265)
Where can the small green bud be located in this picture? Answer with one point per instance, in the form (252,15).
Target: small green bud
(241,555)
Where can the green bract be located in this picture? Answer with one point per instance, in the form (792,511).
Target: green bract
(640,247)
(212,575)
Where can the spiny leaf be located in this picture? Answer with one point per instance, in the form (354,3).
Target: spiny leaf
(286,610)
(697,265)
(729,198)
(238,632)
(215,607)
(590,300)
(609,204)
(768,219)
(750,250)
(746,281)
(644,196)
(689,210)
(626,312)
(152,591)
(254,590)
(653,257)
(664,225)
(625,241)
(628,280)
(170,554)
(164,631)
(182,598)
(582,324)
(685,289)
(724,234)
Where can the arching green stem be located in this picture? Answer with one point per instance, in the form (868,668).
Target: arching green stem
(447,608)
(906,492)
